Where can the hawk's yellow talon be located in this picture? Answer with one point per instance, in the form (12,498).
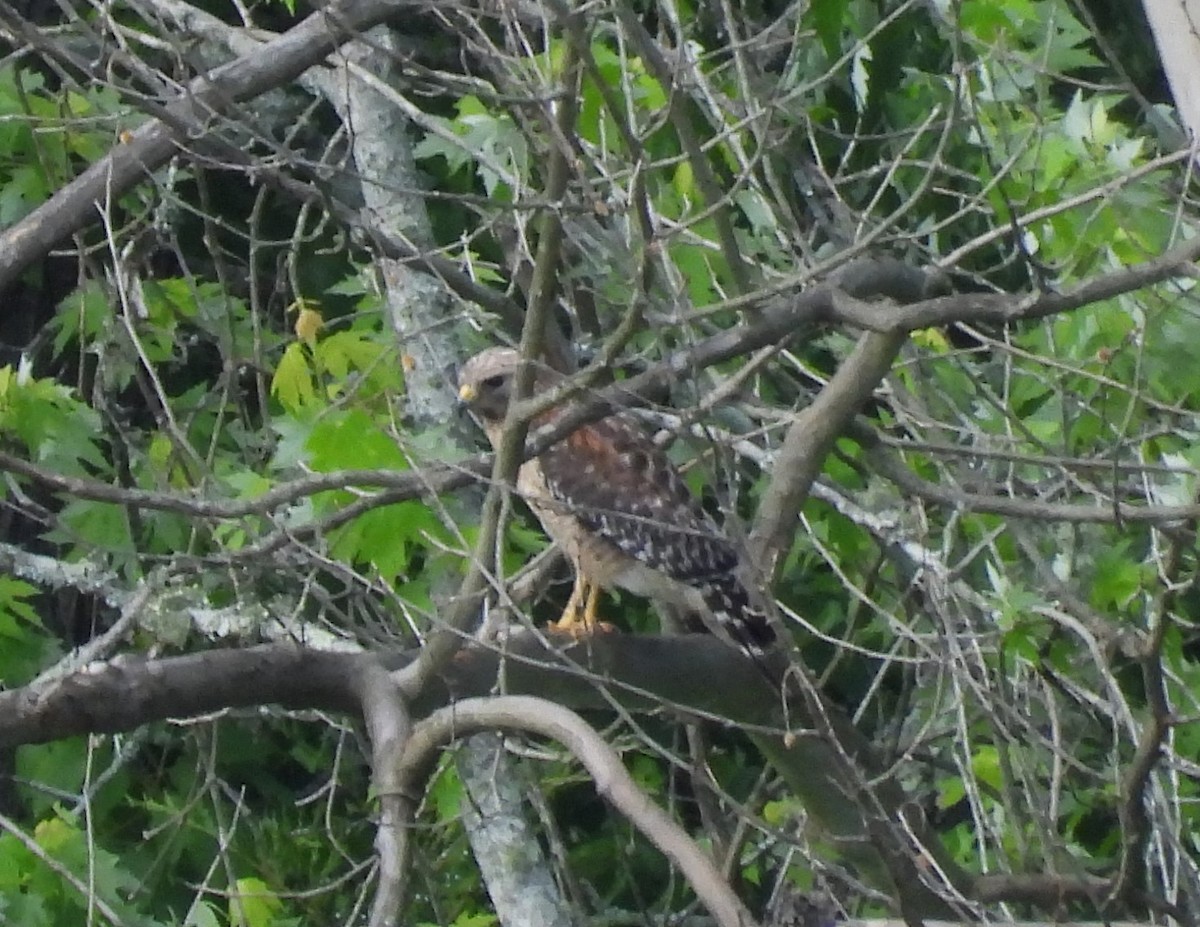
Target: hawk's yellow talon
(584,596)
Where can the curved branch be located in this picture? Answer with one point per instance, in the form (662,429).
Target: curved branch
(1007,308)
(538,716)
(640,673)
(388,728)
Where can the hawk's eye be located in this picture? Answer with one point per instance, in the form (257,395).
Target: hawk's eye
(494,382)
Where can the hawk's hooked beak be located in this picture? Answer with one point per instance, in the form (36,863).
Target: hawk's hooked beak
(467,393)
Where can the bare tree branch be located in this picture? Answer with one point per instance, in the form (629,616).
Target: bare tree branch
(539,716)
(122,695)
(388,728)
(808,442)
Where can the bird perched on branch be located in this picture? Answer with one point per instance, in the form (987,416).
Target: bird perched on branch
(620,511)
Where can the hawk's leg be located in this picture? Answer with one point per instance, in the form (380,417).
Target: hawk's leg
(591,600)
(585,596)
(569,621)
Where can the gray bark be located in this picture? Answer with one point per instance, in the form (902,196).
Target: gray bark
(497,820)
(1176,27)
(511,860)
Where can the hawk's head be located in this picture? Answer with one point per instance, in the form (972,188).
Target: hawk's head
(485,382)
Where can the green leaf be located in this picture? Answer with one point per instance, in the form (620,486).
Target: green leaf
(65,841)
(291,444)
(23,647)
(293,383)
(57,429)
(467,919)
(950,792)
(476,920)
(684,181)
(13,593)
(985,765)
(202,914)
(94,525)
(58,766)
(448,795)
(494,142)
(386,537)
(341,352)
(25,909)
(1118,576)
(352,439)
(253,904)
(780,813)
(827,17)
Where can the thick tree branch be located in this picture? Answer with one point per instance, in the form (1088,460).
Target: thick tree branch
(125,694)
(1136,782)
(520,883)
(510,454)
(507,845)
(1115,512)
(640,673)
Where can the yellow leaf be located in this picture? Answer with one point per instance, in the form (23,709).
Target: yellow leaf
(52,834)
(308,323)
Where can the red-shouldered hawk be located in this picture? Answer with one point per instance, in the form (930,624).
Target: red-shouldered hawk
(620,511)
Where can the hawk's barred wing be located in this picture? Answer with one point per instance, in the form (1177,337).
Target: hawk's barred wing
(613,479)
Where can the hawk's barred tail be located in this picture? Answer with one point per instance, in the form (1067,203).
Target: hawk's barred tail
(730,605)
